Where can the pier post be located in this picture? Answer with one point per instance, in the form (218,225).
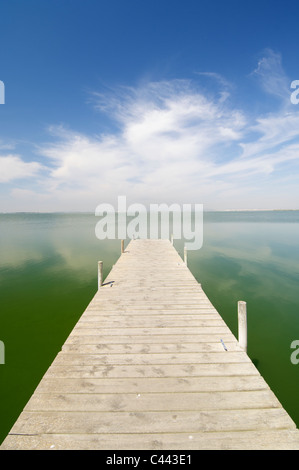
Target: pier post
(185,255)
(122,243)
(242,324)
(100,273)
(2,353)
(171,238)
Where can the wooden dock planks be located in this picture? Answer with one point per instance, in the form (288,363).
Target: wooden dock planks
(152,365)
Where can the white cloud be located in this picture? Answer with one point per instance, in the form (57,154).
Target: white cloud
(168,142)
(173,144)
(12,167)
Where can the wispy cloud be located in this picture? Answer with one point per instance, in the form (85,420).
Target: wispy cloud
(170,142)
(272,77)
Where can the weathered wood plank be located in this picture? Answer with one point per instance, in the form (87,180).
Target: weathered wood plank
(134,322)
(153,339)
(158,358)
(176,370)
(157,422)
(149,348)
(133,317)
(148,310)
(233,440)
(156,384)
(209,330)
(152,401)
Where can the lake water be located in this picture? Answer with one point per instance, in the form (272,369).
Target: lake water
(48,275)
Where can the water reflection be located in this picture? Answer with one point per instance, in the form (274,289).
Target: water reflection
(48,274)
(66,242)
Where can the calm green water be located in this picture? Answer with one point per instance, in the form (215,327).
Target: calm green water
(48,275)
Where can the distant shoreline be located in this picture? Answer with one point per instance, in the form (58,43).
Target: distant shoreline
(92,213)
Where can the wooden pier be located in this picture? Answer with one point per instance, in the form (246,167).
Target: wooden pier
(152,365)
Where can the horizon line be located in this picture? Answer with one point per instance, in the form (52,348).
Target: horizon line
(204,210)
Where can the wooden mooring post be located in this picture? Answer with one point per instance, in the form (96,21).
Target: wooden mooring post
(242,324)
(2,353)
(100,273)
(122,244)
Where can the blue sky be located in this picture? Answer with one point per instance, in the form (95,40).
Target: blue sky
(162,101)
